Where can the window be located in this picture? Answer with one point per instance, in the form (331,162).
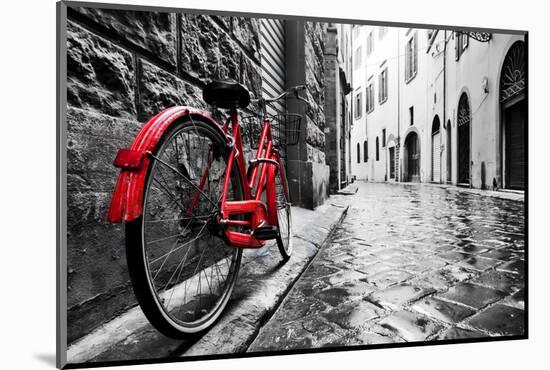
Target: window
(356,30)
(358,153)
(383,138)
(382,32)
(365,151)
(370,97)
(358,55)
(411,58)
(377,149)
(383,86)
(358,105)
(411,115)
(461,43)
(370,43)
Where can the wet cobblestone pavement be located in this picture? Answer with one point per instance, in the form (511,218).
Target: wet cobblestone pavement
(409,263)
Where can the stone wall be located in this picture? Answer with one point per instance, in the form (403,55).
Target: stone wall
(315,82)
(316,170)
(332,121)
(123,67)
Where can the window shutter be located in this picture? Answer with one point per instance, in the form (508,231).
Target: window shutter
(407,61)
(415,51)
(380,87)
(457,45)
(272,56)
(385,82)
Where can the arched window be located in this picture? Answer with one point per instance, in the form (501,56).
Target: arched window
(377,149)
(358,153)
(512,80)
(365,151)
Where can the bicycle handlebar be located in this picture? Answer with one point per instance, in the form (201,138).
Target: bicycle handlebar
(293,90)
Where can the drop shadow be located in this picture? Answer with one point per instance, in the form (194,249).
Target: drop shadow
(46,358)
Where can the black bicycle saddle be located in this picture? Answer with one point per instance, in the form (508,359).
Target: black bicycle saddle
(226,94)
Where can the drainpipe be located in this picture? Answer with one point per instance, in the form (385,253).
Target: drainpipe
(398,174)
(448,142)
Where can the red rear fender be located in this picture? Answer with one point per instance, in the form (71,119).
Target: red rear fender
(127,200)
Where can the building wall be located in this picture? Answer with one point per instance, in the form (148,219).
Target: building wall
(412,94)
(308,171)
(337,73)
(435,97)
(478,62)
(384,116)
(359,168)
(345,66)
(428,94)
(125,66)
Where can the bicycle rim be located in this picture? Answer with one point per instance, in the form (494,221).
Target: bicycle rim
(189,269)
(284,240)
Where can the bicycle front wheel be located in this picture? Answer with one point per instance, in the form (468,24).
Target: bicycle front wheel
(181,268)
(284,218)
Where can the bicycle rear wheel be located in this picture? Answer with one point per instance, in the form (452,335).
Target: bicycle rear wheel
(181,268)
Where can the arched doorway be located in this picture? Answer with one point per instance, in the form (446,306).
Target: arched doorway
(514,116)
(412,158)
(436,150)
(449,153)
(463,123)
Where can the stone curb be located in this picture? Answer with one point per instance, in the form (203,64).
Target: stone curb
(255,309)
(263,283)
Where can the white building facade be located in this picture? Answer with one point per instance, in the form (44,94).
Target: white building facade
(439,106)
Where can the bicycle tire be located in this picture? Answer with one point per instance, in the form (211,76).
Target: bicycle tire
(152,300)
(284,215)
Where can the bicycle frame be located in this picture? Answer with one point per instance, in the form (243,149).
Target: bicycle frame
(127,200)
(265,165)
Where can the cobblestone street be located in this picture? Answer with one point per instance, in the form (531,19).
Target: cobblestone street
(409,263)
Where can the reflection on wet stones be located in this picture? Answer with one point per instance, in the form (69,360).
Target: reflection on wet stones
(459,333)
(516,300)
(443,311)
(473,295)
(479,263)
(503,281)
(386,278)
(399,295)
(517,267)
(500,320)
(410,263)
(410,326)
(353,314)
(333,296)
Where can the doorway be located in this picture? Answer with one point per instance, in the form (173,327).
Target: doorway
(449,153)
(412,158)
(464,123)
(514,116)
(436,150)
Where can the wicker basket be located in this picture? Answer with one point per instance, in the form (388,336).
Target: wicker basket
(285,129)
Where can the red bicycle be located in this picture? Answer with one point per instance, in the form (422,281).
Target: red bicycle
(190,204)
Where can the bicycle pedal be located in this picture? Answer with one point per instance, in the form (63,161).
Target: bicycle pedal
(266,232)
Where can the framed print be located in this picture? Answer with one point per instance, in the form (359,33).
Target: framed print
(237,184)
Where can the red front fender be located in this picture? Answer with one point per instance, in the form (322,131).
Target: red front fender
(127,199)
